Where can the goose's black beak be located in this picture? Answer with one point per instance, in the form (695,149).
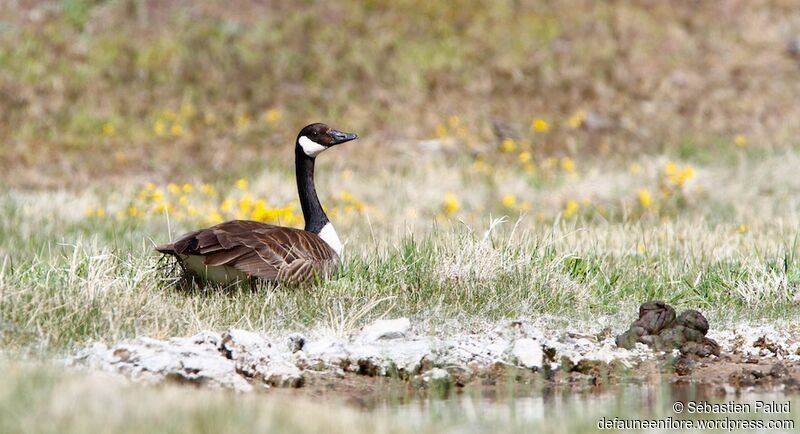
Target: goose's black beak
(340,137)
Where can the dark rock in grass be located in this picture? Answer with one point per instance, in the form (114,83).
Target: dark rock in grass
(655,316)
(628,339)
(694,320)
(296,342)
(653,341)
(704,348)
(674,337)
(659,328)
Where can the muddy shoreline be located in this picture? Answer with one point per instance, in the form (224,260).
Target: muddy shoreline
(389,357)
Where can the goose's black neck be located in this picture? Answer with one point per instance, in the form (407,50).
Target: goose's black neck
(312,210)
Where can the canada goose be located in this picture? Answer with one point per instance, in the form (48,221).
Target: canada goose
(242,249)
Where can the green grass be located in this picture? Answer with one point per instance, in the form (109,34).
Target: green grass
(103,282)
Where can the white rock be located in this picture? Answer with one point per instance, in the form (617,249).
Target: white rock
(256,357)
(327,351)
(153,360)
(435,374)
(385,329)
(528,353)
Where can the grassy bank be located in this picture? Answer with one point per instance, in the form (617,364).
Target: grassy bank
(71,275)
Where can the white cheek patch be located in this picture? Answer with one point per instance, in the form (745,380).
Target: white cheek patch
(328,234)
(310,147)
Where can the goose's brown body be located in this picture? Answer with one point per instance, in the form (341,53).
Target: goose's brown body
(246,248)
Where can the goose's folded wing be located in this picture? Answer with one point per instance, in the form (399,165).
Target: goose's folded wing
(258,249)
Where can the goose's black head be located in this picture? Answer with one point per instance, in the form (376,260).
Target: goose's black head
(315,138)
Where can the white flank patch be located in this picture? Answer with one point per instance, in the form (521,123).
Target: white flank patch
(310,147)
(221,274)
(328,234)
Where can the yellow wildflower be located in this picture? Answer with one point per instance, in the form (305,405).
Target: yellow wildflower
(162,207)
(208,189)
(451,204)
(260,211)
(454,122)
(524,157)
(509,201)
(540,125)
(245,203)
(272,115)
(176,130)
(159,128)
(134,211)
(567,165)
(227,205)
(742,229)
(183,200)
(157,196)
(635,168)
(241,184)
(530,168)
(108,129)
(508,145)
(441,131)
(243,120)
(678,176)
(740,140)
(173,188)
(88,212)
(571,208)
(214,218)
(644,198)
(576,120)
(187,188)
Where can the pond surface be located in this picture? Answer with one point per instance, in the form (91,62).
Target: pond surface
(651,408)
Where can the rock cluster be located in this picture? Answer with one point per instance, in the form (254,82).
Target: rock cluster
(231,360)
(659,328)
(242,360)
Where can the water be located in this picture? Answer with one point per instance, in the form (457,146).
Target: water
(668,407)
